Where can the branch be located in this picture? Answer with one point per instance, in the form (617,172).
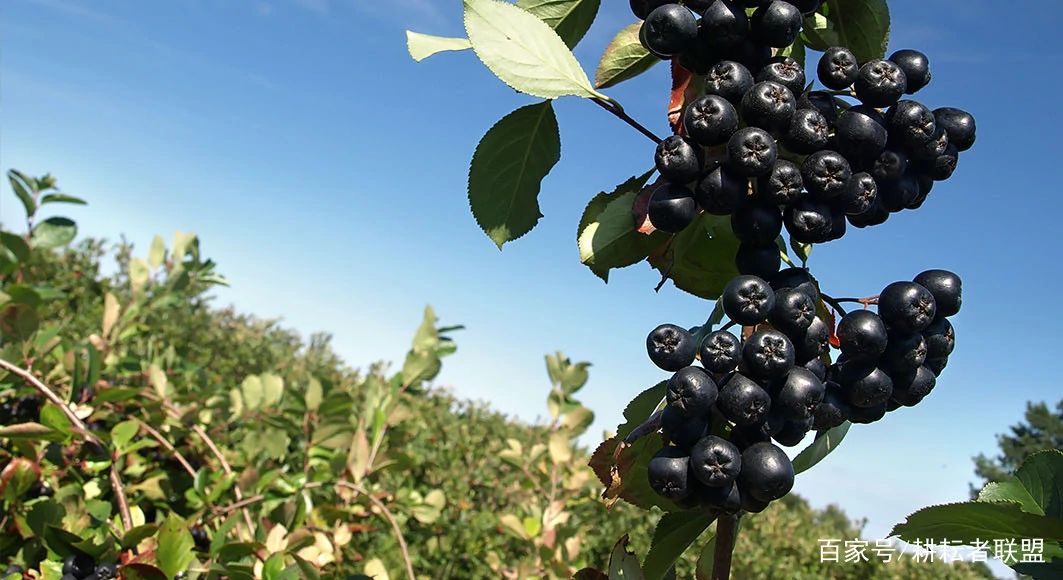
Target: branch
(390,518)
(615,108)
(116,481)
(228,471)
(169,447)
(725,544)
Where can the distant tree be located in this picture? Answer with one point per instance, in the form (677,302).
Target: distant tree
(1041,429)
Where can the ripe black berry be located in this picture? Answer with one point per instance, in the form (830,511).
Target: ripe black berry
(691,391)
(931,148)
(808,132)
(801,392)
(767,473)
(672,207)
(79,565)
(910,123)
(811,343)
(837,68)
(880,83)
(725,23)
(838,224)
(889,166)
(946,288)
(941,167)
(769,106)
(710,120)
(763,430)
(798,278)
(782,185)
(671,347)
(793,432)
(678,159)
(715,462)
(642,8)
(107,571)
(742,401)
(906,306)
(728,79)
(893,197)
(776,24)
(786,71)
(862,336)
(747,300)
(867,415)
(669,473)
(756,222)
(762,261)
(726,499)
(721,191)
(867,387)
(916,68)
(752,152)
(794,311)
(831,412)
(859,195)
(958,124)
(669,30)
(911,387)
(768,354)
(940,338)
(682,431)
(904,352)
(860,132)
(822,102)
(720,351)
(826,174)
(808,220)
(807,7)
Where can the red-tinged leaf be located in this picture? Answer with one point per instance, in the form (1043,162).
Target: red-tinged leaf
(17,477)
(832,326)
(641,210)
(681,85)
(142,572)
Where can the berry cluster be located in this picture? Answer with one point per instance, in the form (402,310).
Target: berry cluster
(725,418)
(84,567)
(758,145)
(24,409)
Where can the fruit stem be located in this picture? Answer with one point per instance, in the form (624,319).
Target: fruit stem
(834,302)
(725,543)
(615,108)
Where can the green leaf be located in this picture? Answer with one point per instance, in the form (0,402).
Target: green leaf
(53,418)
(624,58)
(18,476)
(308,569)
(45,513)
(675,532)
(701,259)
(17,245)
(62,198)
(570,19)
(252,392)
(703,570)
(1042,475)
(53,232)
(22,294)
(123,433)
(31,431)
(796,51)
(573,377)
(60,541)
(422,46)
(174,552)
(523,51)
(272,389)
(863,26)
(578,420)
(820,448)
(139,272)
(553,367)
(607,235)
(1012,490)
(24,187)
(157,253)
(818,33)
(972,521)
(136,535)
(159,380)
(624,565)
(507,170)
(314,394)
(560,447)
(19,321)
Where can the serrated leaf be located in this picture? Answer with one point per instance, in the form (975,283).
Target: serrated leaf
(570,19)
(523,51)
(1010,489)
(701,259)
(422,46)
(175,550)
(675,532)
(138,534)
(972,521)
(623,564)
(157,253)
(507,170)
(62,198)
(53,233)
(608,236)
(1042,475)
(820,448)
(624,58)
(24,187)
(863,26)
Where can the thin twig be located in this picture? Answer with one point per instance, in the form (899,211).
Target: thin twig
(615,108)
(228,471)
(390,518)
(116,480)
(169,447)
(725,544)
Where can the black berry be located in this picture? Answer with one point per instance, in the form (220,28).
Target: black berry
(916,68)
(794,311)
(782,185)
(725,23)
(826,174)
(837,68)
(691,391)
(728,79)
(860,132)
(672,207)
(710,120)
(756,222)
(742,401)
(678,159)
(906,306)
(721,191)
(958,124)
(762,261)
(768,354)
(669,473)
(776,24)
(808,132)
(862,336)
(747,300)
(786,71)
(752,152)
(801,392)
(769,106)
(808,221)
(715,462)
(880,83)
(669,30)
(767,473)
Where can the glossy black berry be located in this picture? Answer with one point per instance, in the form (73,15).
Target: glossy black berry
(889,166)
(720,351)
(801,392)
(906,306)
(911,387)
(782,185)
(678,159)
(767,473)
(756,222)
(726,499)
(817,367)
(786,71)
(807,7)
(798,278)
(826,174)
(813,342)
(742,401)
(776,24)
(721,191)
(671,347)
(904,351)
(747,300)
(715,461)
(642,8)
(728,79)
(794,311)
(946,287)
(941,167)
(793,433)
(107,571)
(958,124)
(746,435)
(691,391)
(752,152)
(931,148)
(859,195)
(880,83)
(808,220)
(860,132)
(669,30)
(910,123)
(683,431)
(838,223)
(762,261)
(867,415)
(821,101)
(669,473)
(79,565)
(710,120)
(837,68)
(940,338)
(725,23)
(899,195)
(862,336)
(769,106)
(768,354)
(831,412)
(672,207)
(808,132)
(867,387)
(916,68)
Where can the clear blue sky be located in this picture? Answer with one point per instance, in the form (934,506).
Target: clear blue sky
(325,172)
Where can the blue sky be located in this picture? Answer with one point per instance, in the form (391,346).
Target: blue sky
(325,172)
